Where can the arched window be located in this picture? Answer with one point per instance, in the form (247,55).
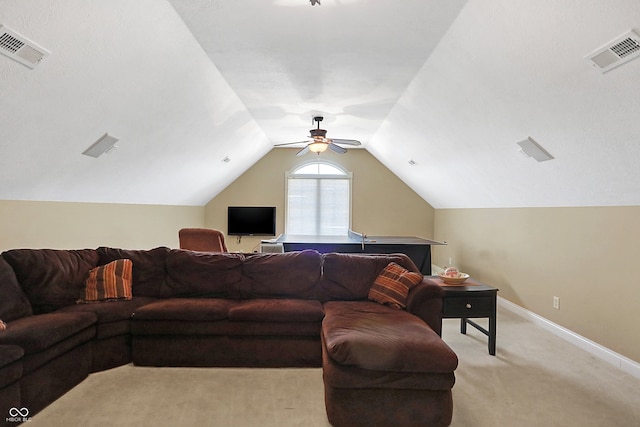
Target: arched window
(318,200)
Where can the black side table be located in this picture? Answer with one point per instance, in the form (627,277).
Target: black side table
(472,299)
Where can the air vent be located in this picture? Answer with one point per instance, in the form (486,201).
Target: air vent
(105,144)
(20,48)
(615,53)
(530,148)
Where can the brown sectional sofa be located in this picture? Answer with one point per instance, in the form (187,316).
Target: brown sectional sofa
(381,365)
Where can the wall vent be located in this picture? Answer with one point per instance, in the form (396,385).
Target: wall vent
(615,53)
(20,48)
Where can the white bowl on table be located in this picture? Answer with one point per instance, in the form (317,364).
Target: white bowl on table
(454,280)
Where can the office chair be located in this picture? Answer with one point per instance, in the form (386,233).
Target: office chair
(202,240)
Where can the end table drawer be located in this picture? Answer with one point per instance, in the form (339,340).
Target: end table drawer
(468,307)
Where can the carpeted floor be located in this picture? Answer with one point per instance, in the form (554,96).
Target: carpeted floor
(535,379)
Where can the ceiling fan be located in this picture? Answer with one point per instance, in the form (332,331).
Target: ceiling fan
(318,141)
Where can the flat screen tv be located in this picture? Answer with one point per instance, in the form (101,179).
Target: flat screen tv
(251,221)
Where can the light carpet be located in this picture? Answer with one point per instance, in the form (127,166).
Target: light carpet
(535,379)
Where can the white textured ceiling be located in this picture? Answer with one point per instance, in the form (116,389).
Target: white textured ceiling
(452,85)
(508,70)
(347,60)
(134,70)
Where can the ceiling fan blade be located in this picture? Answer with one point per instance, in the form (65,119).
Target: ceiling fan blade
(337,148)
(291,143)
(346,141)
(302,152)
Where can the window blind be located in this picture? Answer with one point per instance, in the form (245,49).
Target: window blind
(318,206)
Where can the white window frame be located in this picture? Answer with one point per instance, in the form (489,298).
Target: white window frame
(344,175)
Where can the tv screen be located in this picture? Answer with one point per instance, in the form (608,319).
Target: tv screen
(251,221)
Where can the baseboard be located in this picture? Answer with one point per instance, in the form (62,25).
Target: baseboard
(619,361)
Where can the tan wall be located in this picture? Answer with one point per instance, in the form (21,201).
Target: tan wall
(59,225)
(585,256)
(532,254)
(381,203)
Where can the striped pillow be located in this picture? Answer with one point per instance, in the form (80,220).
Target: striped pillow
(392,285)
(109,282)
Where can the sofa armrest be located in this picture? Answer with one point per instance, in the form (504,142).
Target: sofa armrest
(425,301)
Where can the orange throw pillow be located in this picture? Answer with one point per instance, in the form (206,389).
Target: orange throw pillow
(392,285)
(109,282)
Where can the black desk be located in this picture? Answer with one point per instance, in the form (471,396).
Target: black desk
(416,248)
(472,299)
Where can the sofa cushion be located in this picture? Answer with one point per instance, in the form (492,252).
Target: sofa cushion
(71,344)
(281,275)
(191,274)
(113,317)
(350,377)
(277,310)
(186,309)
(51,278)
(349,276)
(392,286)
(371,336)
(109,282)
(14,304)
(149,268)
(37,333)
(110,311)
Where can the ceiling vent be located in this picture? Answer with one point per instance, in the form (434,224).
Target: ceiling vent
(105,144)
(616,52)
(530,148)
(20,48)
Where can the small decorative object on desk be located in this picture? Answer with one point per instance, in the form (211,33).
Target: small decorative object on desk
(451,276)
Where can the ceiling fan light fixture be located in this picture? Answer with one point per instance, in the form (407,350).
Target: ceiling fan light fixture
(318,147)
(319,143)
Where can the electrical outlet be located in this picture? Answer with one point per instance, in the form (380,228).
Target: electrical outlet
(450,263)
(556,303)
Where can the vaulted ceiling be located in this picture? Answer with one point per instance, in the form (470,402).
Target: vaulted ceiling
(449,86)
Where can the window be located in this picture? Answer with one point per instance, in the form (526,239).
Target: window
(318,200)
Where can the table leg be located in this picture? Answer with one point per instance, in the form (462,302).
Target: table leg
(492,334)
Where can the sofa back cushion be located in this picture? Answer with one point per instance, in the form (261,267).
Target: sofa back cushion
(281,275)
(149,267)
(14,304)
(51,278)
(204,274)
(350,276)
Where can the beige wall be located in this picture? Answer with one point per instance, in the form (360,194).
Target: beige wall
(59,225)
(581,255)
(381,203)
(585,256)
